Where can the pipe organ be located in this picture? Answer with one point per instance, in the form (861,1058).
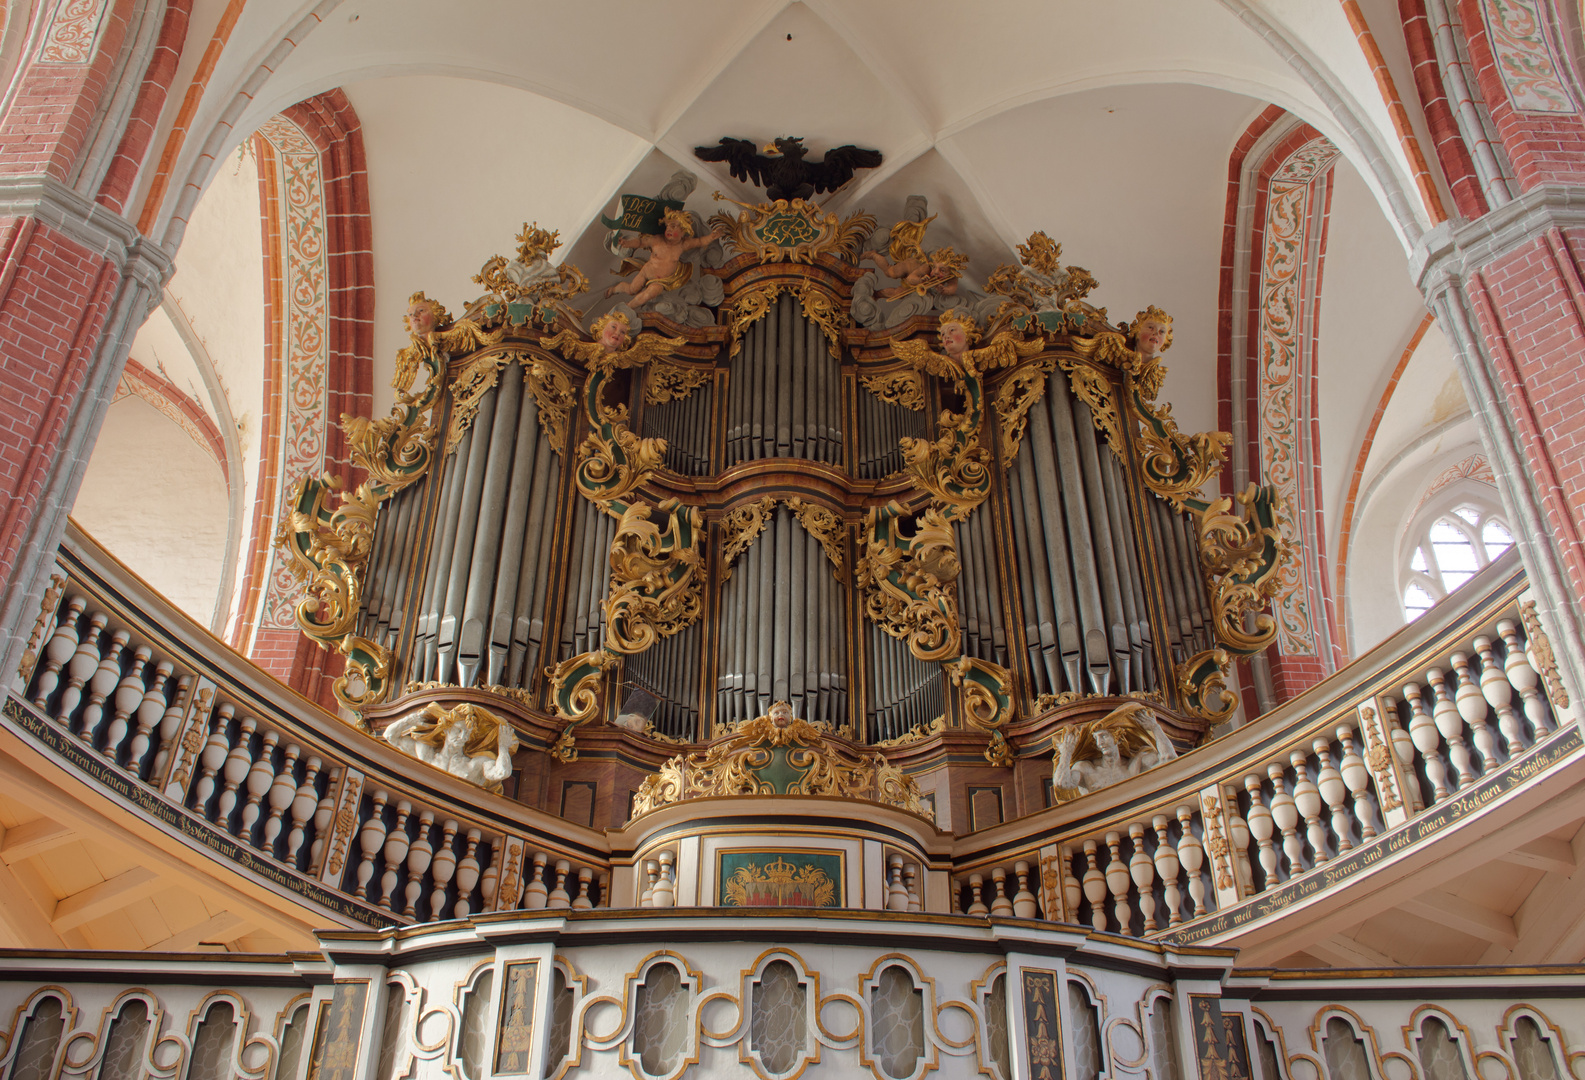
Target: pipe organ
(669,527)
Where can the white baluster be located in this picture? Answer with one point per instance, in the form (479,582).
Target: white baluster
(419,856)
(1329,782)
(101,684)
(1524,679)
(896,896)
(665,892)
(371,837)
(1428,740)
(1238,836)
(1285,812)
(170,724)
(1117,881)
(79,669)
(283,790)
(910,871)
(1403,748)
(260,778)
(213,756)
(322,815)
(128,696)
(535,896)
(581,902)
(1471,704)
(395,852)
(61,647)
(1307,800)
(1451,724)
(651,879)
(442,869)
(304,803)
(1262,827)
(1167,869)
(1024,905)
(238,761)
(1002,905)
(1356,777)
(150,709)
(1191,854)
(467,875)
(1143,871)
(1095,887)
(605,896)
(1499,695)
(1072,891)
(976,904)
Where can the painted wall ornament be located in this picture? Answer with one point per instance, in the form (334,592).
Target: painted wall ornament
(782,169)
(467,741)
(1125,742)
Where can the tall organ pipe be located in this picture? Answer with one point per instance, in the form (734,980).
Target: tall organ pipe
(1105,555)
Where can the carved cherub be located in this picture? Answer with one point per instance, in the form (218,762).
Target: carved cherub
(432,332)
(468,742)
(905,261)
(665,269)
(1135,347)
(613,346)
(958,332)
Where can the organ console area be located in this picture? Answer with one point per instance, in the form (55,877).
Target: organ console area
(943,518)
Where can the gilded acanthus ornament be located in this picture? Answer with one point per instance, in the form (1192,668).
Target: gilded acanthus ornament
(1015,395)
(792,231)
(988,701)
(822,524)
(1040,290)
(1542,658)
(529,285)
(906,580)
(740,528)
(673,382)
(753,303)
(1202,685)
(780,754)
(905,388)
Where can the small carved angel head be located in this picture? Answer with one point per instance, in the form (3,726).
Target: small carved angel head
(958,332)
(424,315)
(781,714)
(678,224)
(612,331)
(1151,331)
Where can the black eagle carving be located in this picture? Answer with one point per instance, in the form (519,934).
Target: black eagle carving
(786,175)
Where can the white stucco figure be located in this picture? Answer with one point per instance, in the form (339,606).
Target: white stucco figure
(1123,743)
(468,742)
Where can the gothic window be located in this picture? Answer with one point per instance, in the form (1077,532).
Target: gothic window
(1446,547)
(40,1041)
(1266,1052)
(1084,1023)
(1532,1051)
(1439,1055)
(897,1022)
(778,1021)
(660,1020)
(123,1055)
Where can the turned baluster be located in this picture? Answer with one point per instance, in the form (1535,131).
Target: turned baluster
(212,757)
(283,790)
(128,696)
(581,902)
(1403,748)
(1191,855)
(1095,887)
(976,903)
(304,802)
(1167,870)
(1238,836)
(1143,871)
(651,879)
(62,647)
(910,871)
(467,875)
(896,898)
(1450,722)
(1285,812)
(1262,827)
(322,815)
(1356,777)
(1524,678)
(1329,782)
(442,869)
(238,761)
(1117,880)
(1307,800)
(534,897)
(261,777)
(1002,904)
(1072,891)
(560,899)
(491,878)
(101,684)
(79,669)
(604,896)
(1024,905)
(150,708)
(371,837)
(1471,705)
(170,724)
(1427,739)
(1495,688)
(396,844)
(419,856)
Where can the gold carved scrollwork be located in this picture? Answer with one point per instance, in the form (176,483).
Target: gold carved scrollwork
(30,655)
(553,395)
(906,580)
(1241,555)
(529,284)
(654,589)
(1014,398)
(740,528)
(673,382)
(1379,758)
(792,231)
(988,701)
(1202,685)
(780,754)
(468,389)
(824,526)
(1096,390)
(1042,291)
(1541,655)
(753,303)
(904,388)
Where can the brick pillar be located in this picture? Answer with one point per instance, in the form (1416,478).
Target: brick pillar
(1507,290)
(76,280)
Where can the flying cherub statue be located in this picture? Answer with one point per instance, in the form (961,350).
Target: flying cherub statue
(905,261)
(665,269)
(958,332)
(467,741)
(613,346)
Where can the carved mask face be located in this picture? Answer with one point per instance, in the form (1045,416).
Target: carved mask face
(1152,335)
(420,317)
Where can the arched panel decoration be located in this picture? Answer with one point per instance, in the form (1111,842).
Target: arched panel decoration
(474,1007)
(1085,1008)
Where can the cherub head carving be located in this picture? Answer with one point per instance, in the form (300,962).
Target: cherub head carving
(1151,331)
(678,221)
(780,714)
(612,331)
(424,316)
(958,332)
